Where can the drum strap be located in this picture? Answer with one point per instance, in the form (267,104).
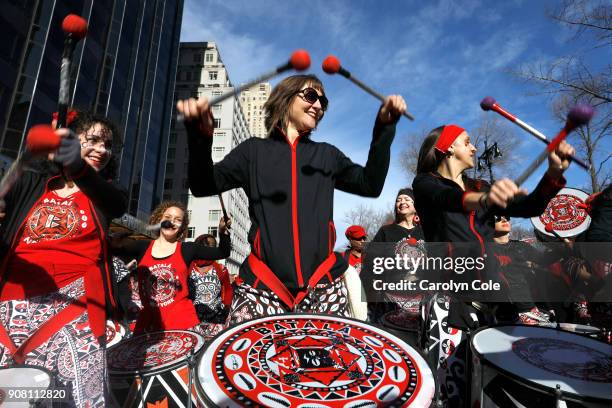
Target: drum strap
(44,332)
(265,274)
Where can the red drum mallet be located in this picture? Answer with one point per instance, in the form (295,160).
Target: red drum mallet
(300,61)
(75,28)
(489,103)
(41,139)
(331,65)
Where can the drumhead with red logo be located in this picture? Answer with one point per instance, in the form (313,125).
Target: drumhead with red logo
(565,213)
(545,358)
(151,353)
(312,361)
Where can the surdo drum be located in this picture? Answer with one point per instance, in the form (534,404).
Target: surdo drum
(153,369)
(527,366)
(566,214)
(312,361)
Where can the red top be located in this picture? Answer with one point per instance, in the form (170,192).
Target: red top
(57,244)
(162,283)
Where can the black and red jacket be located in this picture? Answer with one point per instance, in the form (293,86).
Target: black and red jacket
(291,196)
(439,203)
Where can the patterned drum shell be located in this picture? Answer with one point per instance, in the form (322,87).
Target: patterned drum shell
(153,368)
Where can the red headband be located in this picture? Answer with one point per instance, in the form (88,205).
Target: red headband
(447,137)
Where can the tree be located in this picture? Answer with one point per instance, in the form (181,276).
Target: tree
(570,80)
(369,218)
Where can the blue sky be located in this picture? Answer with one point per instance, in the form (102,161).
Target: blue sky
(443,56)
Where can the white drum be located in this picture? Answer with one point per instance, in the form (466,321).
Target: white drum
(527,366)
(26,387)
(314,361)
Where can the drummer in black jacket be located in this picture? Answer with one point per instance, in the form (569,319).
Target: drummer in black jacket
(290,181)
(452,207)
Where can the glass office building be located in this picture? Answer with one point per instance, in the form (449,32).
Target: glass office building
(124,68)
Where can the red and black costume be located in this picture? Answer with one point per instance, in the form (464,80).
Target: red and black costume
(290,189)
(55,262)
(163,283)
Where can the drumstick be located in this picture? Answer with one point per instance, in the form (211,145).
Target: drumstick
(331,65)
(579,115)
(225,217)
(300,61)
(489,103)
(41,139)
(75,28)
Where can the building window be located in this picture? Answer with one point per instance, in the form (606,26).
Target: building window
(197,57)
(167,184)
(208,57)
(167,197)
(189,214)
(216,107)
(171,152)
(212,75)
(172,138)
(217,123)
(169,167)
(213,231)
(214,215)
(188,76)
(220,134)
(218,149)
(216,93)
(191,232)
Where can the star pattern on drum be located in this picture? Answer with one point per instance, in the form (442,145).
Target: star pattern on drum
(314,359)
(288,362)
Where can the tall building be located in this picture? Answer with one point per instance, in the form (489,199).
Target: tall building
(201,73)
(124,68)
(253,100)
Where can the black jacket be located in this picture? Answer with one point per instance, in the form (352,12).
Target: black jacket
(291,194)
(439,203)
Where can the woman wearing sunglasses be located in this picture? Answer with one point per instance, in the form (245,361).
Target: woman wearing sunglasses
(290,181)
(452,208)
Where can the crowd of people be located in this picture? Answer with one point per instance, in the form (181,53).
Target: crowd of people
(63,275)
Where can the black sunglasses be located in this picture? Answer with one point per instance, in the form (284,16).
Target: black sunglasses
(311,95)
(498,218)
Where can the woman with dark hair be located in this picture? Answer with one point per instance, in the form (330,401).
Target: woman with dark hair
(405,234)
(452,208)
(290,181)
(404,225)
(162,271)
(55,278)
